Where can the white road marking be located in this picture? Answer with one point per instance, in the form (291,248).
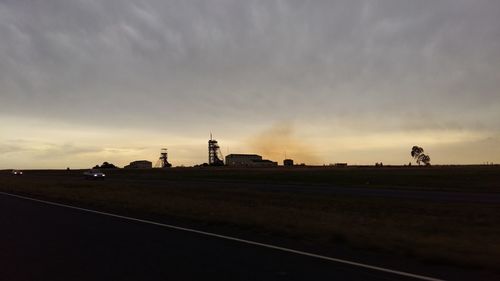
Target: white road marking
(377,268)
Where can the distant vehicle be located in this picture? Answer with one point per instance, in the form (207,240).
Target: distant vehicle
(17,172)
(94,174)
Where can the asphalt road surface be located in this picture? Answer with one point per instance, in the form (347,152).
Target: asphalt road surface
(395,192)
(426,195)
(45,242)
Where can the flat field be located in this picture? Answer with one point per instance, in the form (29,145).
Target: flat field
(439,215)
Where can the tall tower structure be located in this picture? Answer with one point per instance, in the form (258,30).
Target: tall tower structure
(214,153)
(163,160)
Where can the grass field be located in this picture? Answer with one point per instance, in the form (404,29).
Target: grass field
(456,178)
(456,233)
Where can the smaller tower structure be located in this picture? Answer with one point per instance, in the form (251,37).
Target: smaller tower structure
(163,160)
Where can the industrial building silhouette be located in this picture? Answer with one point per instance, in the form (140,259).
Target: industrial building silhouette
(215,158)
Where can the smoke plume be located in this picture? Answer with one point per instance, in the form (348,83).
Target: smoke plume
(280,140)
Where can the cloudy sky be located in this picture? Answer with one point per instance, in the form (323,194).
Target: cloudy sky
(87,81)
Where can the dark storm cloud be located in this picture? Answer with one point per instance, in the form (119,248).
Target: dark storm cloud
(145,63)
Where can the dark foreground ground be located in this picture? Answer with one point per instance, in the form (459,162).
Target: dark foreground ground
(52,243)
(439,221)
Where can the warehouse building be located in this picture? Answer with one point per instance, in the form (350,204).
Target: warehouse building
(140,164)
(288,162)
(248,160)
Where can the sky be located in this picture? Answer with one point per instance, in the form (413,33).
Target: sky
(83,82)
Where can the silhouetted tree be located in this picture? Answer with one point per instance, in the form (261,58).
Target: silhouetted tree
(106,165)
(417,153)
(424,158)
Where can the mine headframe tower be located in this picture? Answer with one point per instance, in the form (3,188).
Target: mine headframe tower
(163,160)
(214,153)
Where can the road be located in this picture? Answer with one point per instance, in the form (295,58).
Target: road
(304,188)
(39,241)
(427,195)
(413,194)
